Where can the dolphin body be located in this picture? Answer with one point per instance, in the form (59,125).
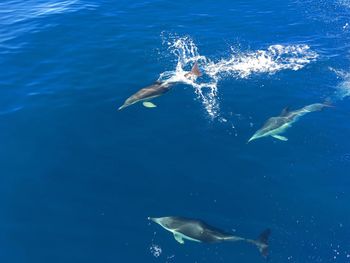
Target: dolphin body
(198,231)
(156,90)
(277,125)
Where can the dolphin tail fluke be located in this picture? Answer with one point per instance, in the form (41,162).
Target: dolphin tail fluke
(263,243)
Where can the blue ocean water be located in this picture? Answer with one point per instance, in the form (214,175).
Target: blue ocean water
(79,178)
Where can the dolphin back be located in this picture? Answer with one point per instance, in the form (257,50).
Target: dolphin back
(210,234)
(152,91)
(193,229)
(317,106)
(295,115)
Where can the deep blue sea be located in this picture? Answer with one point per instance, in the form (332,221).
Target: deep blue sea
(78,178)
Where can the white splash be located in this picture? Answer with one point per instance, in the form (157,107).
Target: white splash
(343,88)
(275,58)
(238,65)
(187,53)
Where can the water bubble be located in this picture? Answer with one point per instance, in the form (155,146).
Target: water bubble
(156,250)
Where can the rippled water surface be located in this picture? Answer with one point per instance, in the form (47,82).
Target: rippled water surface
(79,178)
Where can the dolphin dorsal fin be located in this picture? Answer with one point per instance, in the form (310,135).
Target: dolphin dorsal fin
(195,70)
(285,111)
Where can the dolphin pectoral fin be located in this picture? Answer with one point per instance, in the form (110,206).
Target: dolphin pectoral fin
(148,104)
(178,238)
(279,137)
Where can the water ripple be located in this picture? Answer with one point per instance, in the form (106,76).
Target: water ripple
(18,17)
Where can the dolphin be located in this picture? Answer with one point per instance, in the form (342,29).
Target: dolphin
(277,125)
(199,231)
(157,89)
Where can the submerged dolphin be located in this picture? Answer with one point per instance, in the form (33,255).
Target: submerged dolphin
(156,90)
(198,231)
(277,125)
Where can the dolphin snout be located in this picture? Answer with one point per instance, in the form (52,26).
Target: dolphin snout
(155,220)
(251,139)
(121,107)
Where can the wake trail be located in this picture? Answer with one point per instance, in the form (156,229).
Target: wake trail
(238,65)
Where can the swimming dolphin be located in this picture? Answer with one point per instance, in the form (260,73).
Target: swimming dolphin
(277,125)
(198,231)
(156,90)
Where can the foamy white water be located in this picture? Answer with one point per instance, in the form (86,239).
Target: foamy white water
(239,64)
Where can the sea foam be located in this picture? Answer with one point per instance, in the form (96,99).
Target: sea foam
(238,64)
